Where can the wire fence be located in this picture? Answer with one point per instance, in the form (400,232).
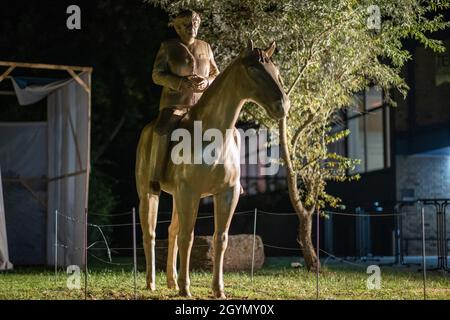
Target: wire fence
(89,250)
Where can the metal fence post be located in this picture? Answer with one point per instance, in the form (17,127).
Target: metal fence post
(56,245)
(318,257)
(254,242)
(134,254)
(397,244)
(85,252)
(424,263)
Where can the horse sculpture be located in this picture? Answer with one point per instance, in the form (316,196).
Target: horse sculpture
(250,77)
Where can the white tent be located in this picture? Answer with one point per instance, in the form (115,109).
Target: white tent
(5,264)
(46,169)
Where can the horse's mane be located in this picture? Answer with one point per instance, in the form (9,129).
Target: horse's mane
(258,53)
(212,88)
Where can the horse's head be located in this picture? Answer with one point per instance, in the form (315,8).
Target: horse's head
(263,81)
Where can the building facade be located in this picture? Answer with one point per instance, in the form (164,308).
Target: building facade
(405,153)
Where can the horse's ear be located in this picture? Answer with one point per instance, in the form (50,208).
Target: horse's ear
(271,49)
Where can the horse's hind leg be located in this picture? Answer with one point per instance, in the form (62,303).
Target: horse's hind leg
(172,251)
(148,205)
(148,212)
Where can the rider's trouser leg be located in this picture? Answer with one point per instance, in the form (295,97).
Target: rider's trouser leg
(158,160)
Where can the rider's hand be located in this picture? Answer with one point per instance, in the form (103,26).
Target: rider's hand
(187,84)
(200,83)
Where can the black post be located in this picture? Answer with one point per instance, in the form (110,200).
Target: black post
(85,253)
(424,264)
(317,253)
(134,254)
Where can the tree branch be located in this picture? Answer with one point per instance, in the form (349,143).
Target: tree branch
(300,131)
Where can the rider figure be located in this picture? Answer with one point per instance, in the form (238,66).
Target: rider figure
(185,67)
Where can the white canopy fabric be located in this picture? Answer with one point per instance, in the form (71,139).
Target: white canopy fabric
(5,264)
(34,93)
(68,150)
(23,158)
(68,164)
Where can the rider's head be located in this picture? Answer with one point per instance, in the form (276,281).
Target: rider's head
(186,24)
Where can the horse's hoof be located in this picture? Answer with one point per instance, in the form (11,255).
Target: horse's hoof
(219,294)
(172,284)
(185,293)
(151,286)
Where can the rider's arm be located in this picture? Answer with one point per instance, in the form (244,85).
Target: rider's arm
(161,74)
(213,70)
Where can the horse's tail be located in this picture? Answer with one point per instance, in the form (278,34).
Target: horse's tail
(142,170)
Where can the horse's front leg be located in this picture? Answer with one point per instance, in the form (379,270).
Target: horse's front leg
(172,251)
(187,206)
(224,206)
(148,212)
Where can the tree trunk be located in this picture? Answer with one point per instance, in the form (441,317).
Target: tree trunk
(304,215)
(305,241)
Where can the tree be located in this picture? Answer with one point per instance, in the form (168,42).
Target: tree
(327,51)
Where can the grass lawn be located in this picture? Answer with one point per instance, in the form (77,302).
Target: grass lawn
(277,280)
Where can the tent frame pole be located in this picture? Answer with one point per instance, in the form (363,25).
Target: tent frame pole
(43,66)
(72,70)
(7,72)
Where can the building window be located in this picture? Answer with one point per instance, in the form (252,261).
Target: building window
(368,122)
(253,179)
